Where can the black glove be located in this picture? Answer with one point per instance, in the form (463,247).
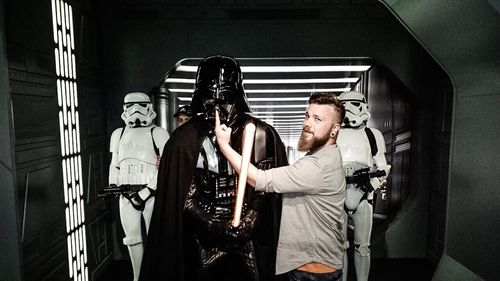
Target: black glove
(240,235)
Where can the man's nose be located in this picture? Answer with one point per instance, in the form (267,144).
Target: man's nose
(305,126)
(306,123)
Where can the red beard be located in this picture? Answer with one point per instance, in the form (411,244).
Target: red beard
(308,140)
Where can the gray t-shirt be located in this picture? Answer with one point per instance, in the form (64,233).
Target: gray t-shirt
(313,214)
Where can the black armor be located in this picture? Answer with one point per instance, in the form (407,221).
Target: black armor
(209,210)
(210,203)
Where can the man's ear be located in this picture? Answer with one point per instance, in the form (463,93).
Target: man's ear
(335,130)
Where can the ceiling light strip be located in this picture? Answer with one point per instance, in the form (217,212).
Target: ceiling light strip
(301,81)
(299,115)
(278,106)
(288,69)
(177,90)
(291,119)
(274,91)
(281,121)
(288,124)
(180,80)
(299,112)
(282,99)
(279,99)
(275,81)
(286,91)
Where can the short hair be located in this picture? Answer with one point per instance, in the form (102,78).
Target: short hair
(330,99)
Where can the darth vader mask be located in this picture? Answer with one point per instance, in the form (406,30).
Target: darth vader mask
(219,87)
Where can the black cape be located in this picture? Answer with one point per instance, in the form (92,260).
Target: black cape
(169,254)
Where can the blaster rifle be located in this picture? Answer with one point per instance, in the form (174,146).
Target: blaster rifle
(113,191)
(362,177)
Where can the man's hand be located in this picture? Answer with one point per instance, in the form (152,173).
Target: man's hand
(222,132)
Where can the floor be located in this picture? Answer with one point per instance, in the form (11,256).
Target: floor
(381,270)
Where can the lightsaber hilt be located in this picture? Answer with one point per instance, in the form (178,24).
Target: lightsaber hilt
(246,152)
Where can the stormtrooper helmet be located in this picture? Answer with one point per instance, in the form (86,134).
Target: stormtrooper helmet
(356,109)
(137,110)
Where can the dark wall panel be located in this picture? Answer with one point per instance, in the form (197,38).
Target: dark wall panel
(10,234)
(379,96)
(40,194)
(41,199)
(441,131)
(35,116)
(138,55)
(402,200)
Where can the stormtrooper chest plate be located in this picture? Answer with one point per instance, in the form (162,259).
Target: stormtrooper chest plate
(137,143)
(354,147)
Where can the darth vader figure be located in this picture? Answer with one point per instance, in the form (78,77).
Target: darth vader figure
(192,237)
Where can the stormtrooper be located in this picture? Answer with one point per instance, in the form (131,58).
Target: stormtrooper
(366,169)
(194,239)
(135,152)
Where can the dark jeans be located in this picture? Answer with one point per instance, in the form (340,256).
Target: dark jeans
(297,275)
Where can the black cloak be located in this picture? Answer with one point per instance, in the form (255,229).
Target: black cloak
(170,253)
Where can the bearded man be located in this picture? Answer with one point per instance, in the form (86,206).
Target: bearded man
(311,239)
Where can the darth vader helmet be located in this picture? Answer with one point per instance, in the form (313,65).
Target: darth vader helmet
(219,86)
(137,110)
(356,109)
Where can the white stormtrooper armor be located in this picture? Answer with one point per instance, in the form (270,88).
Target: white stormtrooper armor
(358,152)
(136,150)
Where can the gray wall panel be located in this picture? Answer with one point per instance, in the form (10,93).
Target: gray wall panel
(474,198)
(11,257)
